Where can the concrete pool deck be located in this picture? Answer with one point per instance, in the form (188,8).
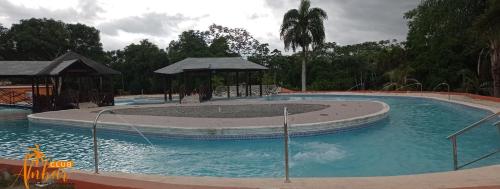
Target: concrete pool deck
(335,115)
(489,103)
(480,178)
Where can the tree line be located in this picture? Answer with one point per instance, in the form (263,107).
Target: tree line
(452,41)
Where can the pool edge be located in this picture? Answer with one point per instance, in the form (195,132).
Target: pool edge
(248,132)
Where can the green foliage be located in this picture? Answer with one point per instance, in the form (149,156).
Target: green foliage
(488,27)
(441,40)
(37,39)
(220,48)
(239,40)
(3,42)
(46,39)
(303,27)
(137,62)
(190,44)
(217,41)
(85,40)
(217,80)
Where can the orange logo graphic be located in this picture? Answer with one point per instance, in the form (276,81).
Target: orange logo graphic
(50,171)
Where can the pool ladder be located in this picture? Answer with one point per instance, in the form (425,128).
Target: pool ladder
(453,138)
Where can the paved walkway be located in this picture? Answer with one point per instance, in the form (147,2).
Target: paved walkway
(334,111)
(478,178)
(471,100)
(485,176)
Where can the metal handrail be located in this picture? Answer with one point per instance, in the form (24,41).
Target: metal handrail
(412,79)
(417,84)
(94,136)
(453,138)
(285,137)
(473,125)
(448,87)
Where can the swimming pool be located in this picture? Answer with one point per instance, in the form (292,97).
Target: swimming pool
(411,140)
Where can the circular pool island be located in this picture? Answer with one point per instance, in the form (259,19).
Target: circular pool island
(226,119)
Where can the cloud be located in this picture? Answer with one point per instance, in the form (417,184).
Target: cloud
(255,16)
(154,24)
(87,11)
(355,21)
(122,22)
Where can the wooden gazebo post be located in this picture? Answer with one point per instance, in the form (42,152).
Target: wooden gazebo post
(56,91)
(227,85)
(260,83)
(165,88)
(170,88)
(209,84)
(37,91)
(246,85)
(184,89)
(33,95)
(47,88)
(237,84)
(249,83)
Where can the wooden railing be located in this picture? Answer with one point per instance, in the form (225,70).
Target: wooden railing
(13,97)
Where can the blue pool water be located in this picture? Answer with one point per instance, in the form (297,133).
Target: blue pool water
(139,101)
(411,140)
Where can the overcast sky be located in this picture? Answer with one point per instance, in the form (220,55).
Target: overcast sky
(123,22)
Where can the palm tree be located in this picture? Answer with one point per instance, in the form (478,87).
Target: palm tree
(488,26)
(303,27)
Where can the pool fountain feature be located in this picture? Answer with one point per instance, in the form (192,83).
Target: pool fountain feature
(413,84)
(357,86)
(94,137)
(447,87)
(389,85)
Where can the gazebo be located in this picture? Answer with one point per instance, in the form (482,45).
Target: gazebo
(69,80)
(188,70)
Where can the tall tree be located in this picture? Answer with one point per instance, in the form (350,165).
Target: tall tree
(46,39)
(85,40)
(135,62)
(303,27)
(38,39)
(441,41)
(239,40)
(220,48)
(3,38)
(190,44)
(488,25)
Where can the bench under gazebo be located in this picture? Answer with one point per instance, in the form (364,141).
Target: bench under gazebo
(194,76)
(67,81)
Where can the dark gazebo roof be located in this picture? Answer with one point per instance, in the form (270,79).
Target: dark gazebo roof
(216,63)
(22,68)
(55,67)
